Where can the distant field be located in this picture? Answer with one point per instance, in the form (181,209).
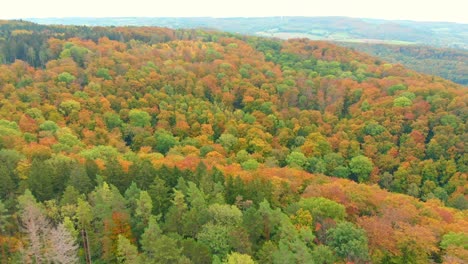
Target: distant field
(331,37)
(441,34)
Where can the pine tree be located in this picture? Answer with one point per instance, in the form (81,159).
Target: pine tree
(127,253)
(159,248)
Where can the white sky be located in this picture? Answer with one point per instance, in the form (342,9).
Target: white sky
(419,10)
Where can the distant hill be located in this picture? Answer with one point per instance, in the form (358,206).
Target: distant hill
(408,41)
(443,34)
(451,64)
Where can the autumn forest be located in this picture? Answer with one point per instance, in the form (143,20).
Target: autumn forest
(154,145)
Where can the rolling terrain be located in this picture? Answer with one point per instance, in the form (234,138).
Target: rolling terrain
(435,48)
(154,145)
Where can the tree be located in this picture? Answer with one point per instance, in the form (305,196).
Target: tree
(159,248)
(250,164)
(296,160)
(139,118)
(361,167)
(323,255)
(196,251)
(237,258)
(402,102)
(84,217)
(265,253)
(7,186)
(40,180)
(69,106)
(349,241)
(127,253)
(49,126)
(175,215)
(454,239)
(66,78)
(228,141)
(216,237)
(160,195)
(164,141)
(322,208)
(294,244)
(3,227)
(80,179)
(144,207)
(62,246)
(36,226)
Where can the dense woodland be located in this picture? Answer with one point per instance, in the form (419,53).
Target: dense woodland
(450,64)
(151,145)
(331,28)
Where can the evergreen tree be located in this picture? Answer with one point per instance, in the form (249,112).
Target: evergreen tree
(127,253)
(159,248)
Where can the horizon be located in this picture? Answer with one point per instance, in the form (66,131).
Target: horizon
(232,17)
(451,11)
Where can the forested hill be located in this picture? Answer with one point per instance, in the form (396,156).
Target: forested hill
(437,48)
(448,63)
(152,145)
(335,28)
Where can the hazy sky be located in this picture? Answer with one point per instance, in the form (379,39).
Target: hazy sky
(420,10)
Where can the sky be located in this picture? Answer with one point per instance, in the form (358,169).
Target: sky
(418,10)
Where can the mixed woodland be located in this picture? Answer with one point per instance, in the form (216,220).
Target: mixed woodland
(153,145)
(451,64)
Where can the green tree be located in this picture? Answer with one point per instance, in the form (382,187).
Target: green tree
(164,141)
(250,164)
(294,244)
(176,213)
(322,254)
(112,120)
(455,240)
(361,167)
(127,253)
(7,185)
(69,106)
(228,141)
(216,237)
(237,258)
(103,73)
(139,118)
(160,195)
(349,242)
(49,126)
(297,160)
(144,207)
(322,208)
(80,179)
(159,248)
(402,102)
(40,180)
(196,251)
(66,78)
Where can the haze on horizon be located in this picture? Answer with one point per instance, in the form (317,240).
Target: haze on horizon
(417,10)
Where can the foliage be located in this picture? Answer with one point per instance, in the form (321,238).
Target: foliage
(179,146)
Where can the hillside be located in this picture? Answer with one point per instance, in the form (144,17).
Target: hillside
(434,48)
(442,34)
(451,64)
(152,145)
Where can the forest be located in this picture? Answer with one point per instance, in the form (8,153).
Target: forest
(451,64)
(332,28)
(435,48)
(154,145)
